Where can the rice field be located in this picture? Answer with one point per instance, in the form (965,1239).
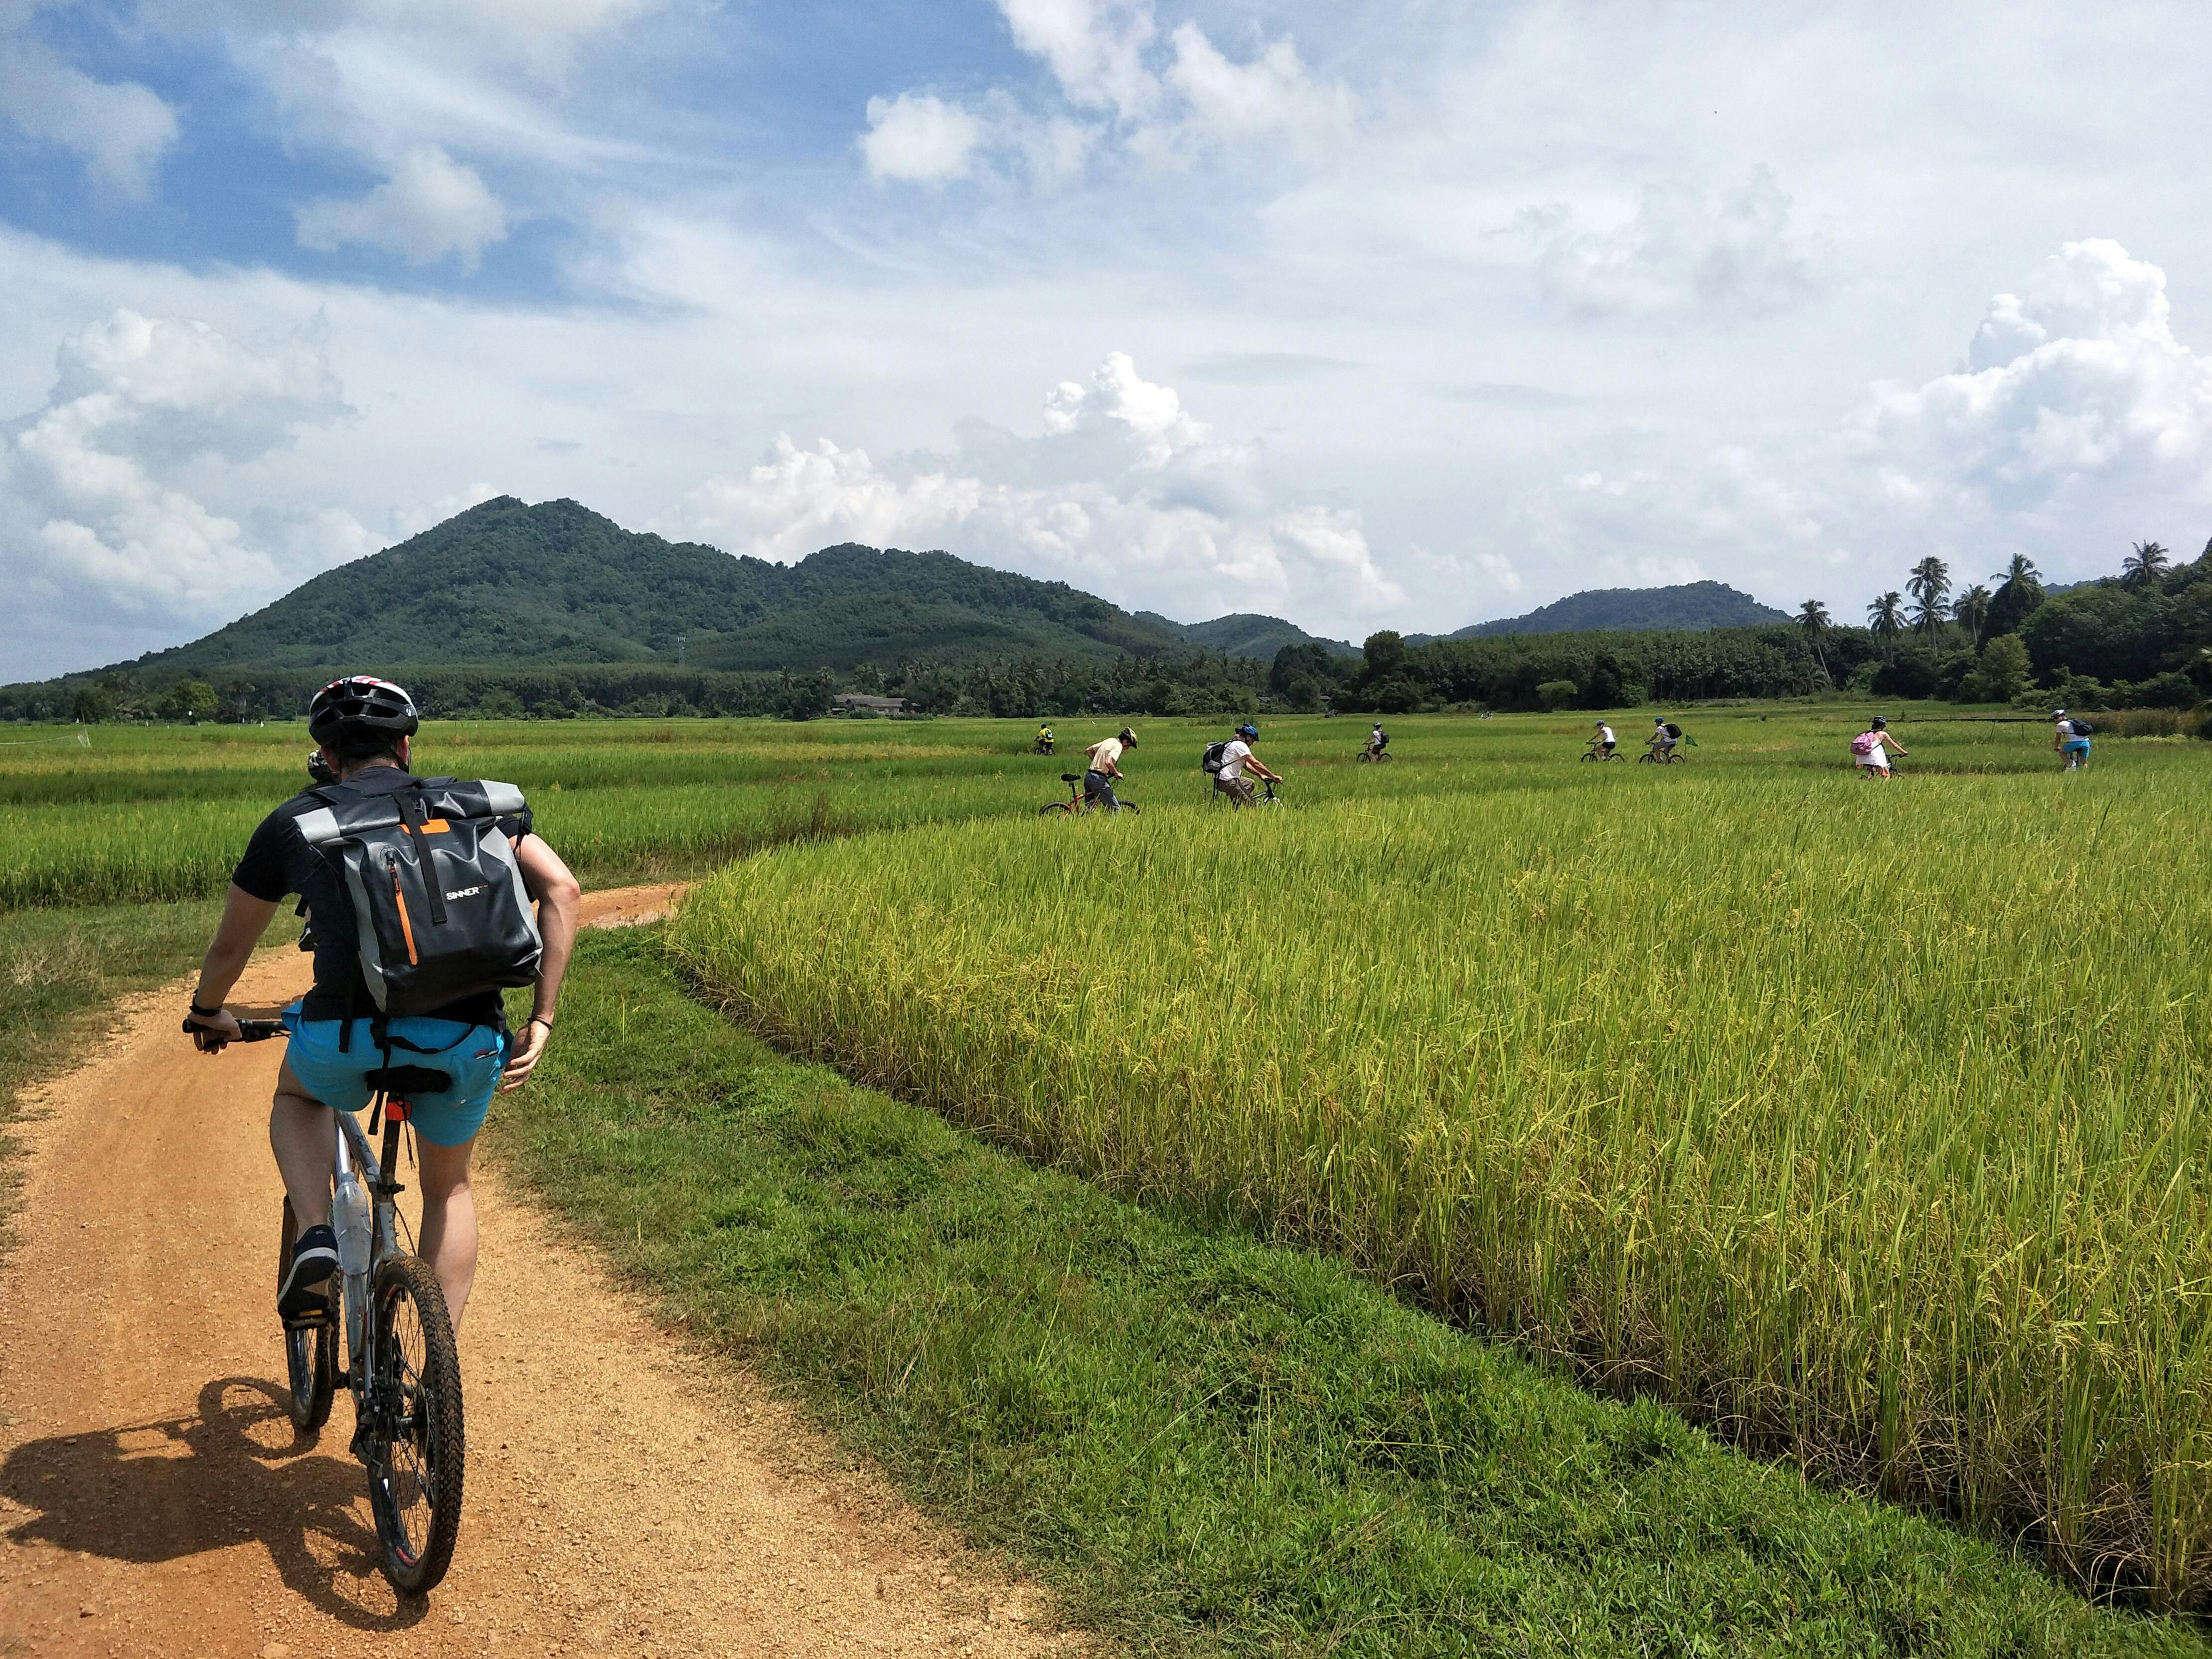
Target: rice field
(150,815)
(1864,1121)
(1867,1122)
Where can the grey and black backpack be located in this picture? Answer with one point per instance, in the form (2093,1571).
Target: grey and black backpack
(439,905)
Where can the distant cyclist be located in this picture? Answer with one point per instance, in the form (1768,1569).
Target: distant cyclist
(1377,741)
(1237,759)
(1665,734)
(366,728)
(2070,738)
(1873,747)
(1043,742)
(1605,740)
(1103,765)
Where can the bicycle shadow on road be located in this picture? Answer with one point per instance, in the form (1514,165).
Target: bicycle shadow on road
(181,1486)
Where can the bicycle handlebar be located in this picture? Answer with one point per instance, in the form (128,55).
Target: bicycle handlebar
(249,1030)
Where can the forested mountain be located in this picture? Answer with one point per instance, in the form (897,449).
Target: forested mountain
(509,585)
(1243,634)
(1683,608)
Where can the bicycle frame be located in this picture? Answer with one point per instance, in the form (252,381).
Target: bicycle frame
(353,1152)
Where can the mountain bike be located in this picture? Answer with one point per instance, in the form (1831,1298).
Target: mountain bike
(1263,795)
(403,1370)
(1040,745)
(1077,801)
(1594,750)
(1658,757)
(1372,754)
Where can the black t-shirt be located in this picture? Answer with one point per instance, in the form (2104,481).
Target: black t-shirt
(278,861)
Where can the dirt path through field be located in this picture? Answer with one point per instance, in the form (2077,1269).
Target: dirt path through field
(624,1498)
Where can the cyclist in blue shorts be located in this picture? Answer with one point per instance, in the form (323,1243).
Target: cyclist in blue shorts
(364,729)
(2070,738)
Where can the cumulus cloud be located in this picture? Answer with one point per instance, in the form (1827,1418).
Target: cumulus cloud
(919,138)
(122,129)
(1734,251)
(1121,492)
(2078,419)
(1167,103)
(103,490)
(2077,408)
(430,207)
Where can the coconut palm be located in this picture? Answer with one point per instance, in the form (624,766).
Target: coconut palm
(1886,618)
(2144,566)
(1812,619)
(1971,609)
(1930,584)
(2018,568)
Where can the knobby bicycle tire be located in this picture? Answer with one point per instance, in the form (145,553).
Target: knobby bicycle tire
(415,1449)
(311,1350)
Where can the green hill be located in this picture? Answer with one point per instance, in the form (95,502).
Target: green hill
(1689,606)
(1243,634)
(508,585)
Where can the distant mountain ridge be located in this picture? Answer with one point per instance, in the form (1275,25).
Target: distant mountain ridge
(1688,606)
(1244,633)
(507,584)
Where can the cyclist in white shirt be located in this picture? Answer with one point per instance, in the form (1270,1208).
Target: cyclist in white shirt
(1605,740)
(1237,759)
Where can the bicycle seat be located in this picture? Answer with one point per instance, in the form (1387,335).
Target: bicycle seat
(1071,777)
(406,1082)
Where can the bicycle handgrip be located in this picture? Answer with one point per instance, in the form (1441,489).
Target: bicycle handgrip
(249,1030)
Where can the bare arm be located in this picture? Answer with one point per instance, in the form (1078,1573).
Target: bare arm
(560,908)
(245,919)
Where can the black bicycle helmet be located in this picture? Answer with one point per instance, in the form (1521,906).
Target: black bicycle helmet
(1880,724)
(358,707)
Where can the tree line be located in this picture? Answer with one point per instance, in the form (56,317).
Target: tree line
(2141,638)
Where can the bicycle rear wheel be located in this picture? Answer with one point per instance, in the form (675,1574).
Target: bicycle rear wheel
(1056,809)
(414,1444)
(311,1350)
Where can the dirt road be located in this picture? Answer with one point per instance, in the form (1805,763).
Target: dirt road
(624,1496)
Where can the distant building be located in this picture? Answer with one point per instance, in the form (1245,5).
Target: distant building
(854,702)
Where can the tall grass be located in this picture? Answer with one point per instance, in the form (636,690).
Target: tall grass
(1867,1121)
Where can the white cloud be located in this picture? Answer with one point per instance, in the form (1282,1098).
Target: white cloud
(1095,49)
(1735,251)
(1274,93)
(1167,106)
(122,129)
(100,489)
(2077,405)
(1122,492)
(919,138)
(431,206)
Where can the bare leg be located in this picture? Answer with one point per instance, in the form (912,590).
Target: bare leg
(449,1221)
(304,1140)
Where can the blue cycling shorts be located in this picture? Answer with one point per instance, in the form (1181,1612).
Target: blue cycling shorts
(472,1055)
(2077,745)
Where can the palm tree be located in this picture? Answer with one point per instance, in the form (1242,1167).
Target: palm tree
(2145,565)
(1813,618)
(1971,609)
(1886,618)
(1929,583)
(2018,568)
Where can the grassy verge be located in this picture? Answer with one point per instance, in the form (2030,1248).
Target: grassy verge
(61,972)
(1203,1444)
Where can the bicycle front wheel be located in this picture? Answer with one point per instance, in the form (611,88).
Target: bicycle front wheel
(414,1444)
(311,1349)
(1054,810)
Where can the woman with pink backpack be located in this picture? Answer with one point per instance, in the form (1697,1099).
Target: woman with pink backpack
(1870,749)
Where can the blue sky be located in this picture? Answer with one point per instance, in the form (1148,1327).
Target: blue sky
(1399,315)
